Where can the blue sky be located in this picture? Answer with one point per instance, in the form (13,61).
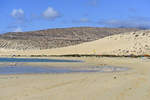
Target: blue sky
(29,15)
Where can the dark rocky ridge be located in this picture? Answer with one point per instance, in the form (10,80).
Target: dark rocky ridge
(55,38)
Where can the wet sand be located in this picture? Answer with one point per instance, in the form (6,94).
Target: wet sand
(129,85)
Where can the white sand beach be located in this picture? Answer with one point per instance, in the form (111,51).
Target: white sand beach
(129,85)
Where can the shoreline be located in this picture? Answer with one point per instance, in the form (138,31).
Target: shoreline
(77,55)
(129,85)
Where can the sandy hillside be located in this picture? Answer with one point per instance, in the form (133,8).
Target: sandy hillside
(55,38)
(137,43)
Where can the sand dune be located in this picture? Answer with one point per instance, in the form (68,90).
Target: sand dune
(54,38)
(137,43)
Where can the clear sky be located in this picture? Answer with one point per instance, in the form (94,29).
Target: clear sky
(29,15)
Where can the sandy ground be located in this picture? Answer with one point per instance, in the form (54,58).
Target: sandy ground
(129,85)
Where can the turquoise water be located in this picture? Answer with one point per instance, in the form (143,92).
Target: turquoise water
(37,70)
(52,70)
(35,60)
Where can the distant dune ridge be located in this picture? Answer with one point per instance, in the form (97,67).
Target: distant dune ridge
(132,42)
(55,38)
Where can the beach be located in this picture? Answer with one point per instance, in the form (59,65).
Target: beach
(128,85)
(75,50)
(131,84)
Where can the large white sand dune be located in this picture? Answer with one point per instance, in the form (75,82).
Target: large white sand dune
(137,43)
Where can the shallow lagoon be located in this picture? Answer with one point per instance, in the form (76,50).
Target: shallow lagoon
(53,70)
(35,60)
(15,69)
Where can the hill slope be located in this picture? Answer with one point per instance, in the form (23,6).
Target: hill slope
(136,43)
(55,38)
